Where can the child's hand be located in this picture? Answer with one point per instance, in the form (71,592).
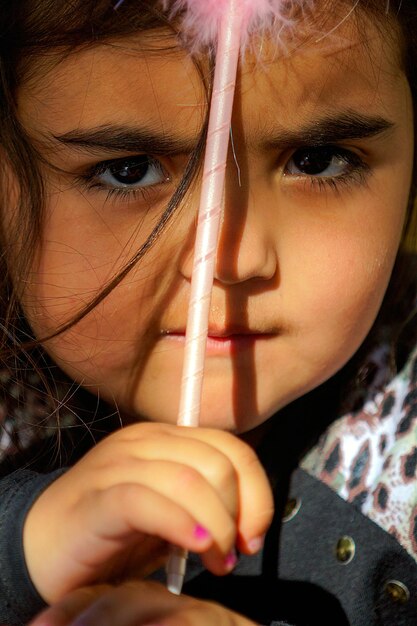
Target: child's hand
(133,604)
(203,490)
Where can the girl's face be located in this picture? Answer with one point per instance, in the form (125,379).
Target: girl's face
(316,194)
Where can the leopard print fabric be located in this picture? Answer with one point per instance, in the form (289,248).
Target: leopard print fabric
(369,456)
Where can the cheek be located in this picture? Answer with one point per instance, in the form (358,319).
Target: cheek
(85,245)
(348,291)
(110,345)
(339,282)
(77,261)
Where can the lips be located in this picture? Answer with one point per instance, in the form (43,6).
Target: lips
(219,332)
(225,340)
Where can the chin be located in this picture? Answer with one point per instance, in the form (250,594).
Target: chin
(216,414)
(227,404)
(231,418)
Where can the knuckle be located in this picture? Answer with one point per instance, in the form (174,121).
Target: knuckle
(110,471)
(140,431)
(144,430)
(189,478)
(223,473)
(119,495)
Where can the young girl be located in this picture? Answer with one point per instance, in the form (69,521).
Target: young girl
(312,333)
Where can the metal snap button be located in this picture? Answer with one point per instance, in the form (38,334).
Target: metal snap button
(397,591)
(291,509)
(345,549)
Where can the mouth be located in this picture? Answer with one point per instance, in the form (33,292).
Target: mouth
(224,341)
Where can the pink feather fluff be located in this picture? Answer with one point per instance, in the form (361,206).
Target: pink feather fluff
(200,19)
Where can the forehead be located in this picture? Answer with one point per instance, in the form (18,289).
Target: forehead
(354,70)
(149,77)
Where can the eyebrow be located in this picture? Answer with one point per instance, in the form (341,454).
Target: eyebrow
(115,138)
(331,129)
(121,139)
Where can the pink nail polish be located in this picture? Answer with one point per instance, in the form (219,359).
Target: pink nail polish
(201,533)
(256,544)
(231,560)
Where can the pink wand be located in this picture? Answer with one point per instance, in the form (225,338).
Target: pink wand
(209,217)
(230,24)
(210,211)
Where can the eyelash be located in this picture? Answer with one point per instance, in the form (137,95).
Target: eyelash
(357,171)
(90,179)
(124,194)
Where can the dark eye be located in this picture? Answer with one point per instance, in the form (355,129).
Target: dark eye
(325,161)
(138,171)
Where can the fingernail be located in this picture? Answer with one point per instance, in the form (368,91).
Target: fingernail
(201,533)
(256,544)
(231,560)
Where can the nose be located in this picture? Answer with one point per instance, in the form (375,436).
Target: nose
(246,250)
(247,243)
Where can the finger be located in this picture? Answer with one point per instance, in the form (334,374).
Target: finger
(106,527)
(130,603)
(164,445)
(123,511)
(184,487)
(256,505)
(202,614)
(74,603)
(133,604)
(254,492)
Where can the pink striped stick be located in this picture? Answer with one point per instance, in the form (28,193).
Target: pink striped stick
(230,23)
(209,216)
